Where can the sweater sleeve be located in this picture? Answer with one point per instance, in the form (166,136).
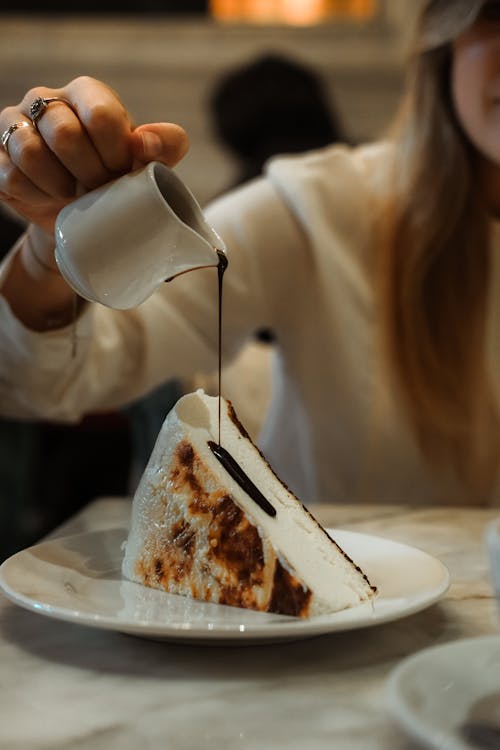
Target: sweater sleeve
(120,355)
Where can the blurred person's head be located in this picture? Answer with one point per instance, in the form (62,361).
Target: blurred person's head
(272,105)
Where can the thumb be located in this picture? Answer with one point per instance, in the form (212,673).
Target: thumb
(159,141)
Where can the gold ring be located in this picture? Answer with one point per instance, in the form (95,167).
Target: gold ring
(38,107)
(5,137)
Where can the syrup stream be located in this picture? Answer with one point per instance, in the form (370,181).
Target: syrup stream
(222,455)
(221,267)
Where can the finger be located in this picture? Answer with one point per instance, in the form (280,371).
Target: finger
(89,131)
(67,139)
(24,197)
(38,215)
(27,154)
(105,120)
(26,200)
(164,142)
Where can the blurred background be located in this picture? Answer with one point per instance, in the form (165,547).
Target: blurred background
(232,72)
(164,57)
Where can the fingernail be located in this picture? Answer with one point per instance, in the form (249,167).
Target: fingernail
(151,143)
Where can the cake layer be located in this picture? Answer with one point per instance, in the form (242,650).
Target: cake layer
(231,532)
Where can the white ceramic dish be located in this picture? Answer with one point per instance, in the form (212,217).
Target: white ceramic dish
(442,694)
(78,579)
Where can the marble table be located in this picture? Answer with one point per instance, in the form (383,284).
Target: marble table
(68,686)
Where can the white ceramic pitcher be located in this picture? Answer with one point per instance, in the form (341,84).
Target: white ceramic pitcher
(117,244)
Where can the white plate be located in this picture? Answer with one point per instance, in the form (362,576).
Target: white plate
(437,694)
(78,579)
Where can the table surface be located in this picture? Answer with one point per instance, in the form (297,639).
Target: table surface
(69,686)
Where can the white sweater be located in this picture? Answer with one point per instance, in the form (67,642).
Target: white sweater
(300,245)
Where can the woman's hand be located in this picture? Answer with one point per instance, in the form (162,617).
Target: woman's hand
(75,147)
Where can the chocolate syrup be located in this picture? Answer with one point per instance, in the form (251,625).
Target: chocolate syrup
(221,267)
(239,476)
(223,456)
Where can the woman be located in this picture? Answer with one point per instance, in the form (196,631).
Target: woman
(375,266)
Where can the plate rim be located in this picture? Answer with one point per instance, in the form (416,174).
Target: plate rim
(281,629)
(402,713)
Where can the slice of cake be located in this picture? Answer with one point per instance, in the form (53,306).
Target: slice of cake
(214,522)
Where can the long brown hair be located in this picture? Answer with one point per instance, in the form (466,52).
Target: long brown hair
(435,262)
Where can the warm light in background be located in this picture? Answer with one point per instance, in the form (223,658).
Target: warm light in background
(296,12)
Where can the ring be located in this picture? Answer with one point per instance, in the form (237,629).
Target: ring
(38,107)
(5,137)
